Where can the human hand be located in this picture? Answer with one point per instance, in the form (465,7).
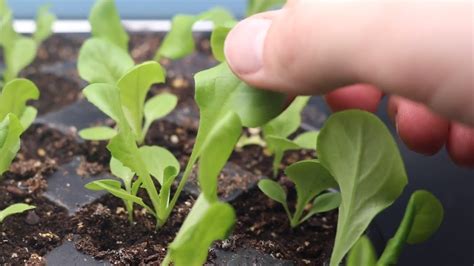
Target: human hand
(420,53)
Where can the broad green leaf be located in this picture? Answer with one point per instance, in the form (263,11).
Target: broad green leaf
(105,21)
(8,35)
(100,61)
(218,37)
(206,223)
(44,24)
(10,132)
(257,6)
(122,172)
(97,133)
(225,134)
(360,153)
(362,253)
(288,121)
(14,96)
(310,179)
(157,159)
(157,107)
(14,209)
(105,97)
(273,190)
(134,86)
(179,41)
(28,116)
(423,216)
(307,140)
(17,57)
(324,203)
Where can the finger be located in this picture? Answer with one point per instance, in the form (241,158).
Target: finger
(361,96)
(416,49)
(419,128)
(460,144)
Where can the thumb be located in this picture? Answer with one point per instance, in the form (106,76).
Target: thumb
(415,49)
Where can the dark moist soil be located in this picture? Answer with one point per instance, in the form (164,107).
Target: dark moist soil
(262,224)
(105,233)
(26,237)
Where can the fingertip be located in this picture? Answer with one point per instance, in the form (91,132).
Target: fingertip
(360,96)
(460,144)
(420,129)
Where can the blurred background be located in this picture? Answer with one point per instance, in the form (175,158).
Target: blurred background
(454,243)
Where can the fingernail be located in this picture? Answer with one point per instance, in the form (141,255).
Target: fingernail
(244,45)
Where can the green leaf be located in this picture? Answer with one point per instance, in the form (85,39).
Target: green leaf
(28,116)
(218,36)
(14,209)
(157,159)
(18,56)
(257,6)
(97,133)
(134,86)
(106,97)
(206,223)
(310,179)
(179,41)
(114,188)
(273,190)
(324,203)
(101,61)
(14,96)
(10,132)
(4,9)
(157,107)
(213,157)
(8,36)
(360,153)
(362,253)
(423,216)
(122,172)
(105,21)
(307,140)
(288,121)
(44,24)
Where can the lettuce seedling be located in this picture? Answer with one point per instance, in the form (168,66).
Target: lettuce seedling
(179,41)
(19,51)
(423,216)
(14,209)
(310,179)
(129,160)
(359,152)
(15,117)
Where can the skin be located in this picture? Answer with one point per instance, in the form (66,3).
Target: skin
(418,53)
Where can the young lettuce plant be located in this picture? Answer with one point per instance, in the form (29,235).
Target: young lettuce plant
(310,179)
(14,209)
(19,51)
(423,216)
(129,160)
(360,153)
(104,59)
(15,117)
